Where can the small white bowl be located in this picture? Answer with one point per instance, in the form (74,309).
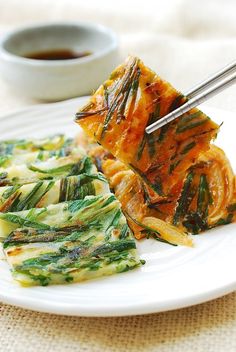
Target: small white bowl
(58,79)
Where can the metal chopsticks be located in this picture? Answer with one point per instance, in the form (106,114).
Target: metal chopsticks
(198,94)
(211,80)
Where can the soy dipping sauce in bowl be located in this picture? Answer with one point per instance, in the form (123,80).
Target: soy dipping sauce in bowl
(57,54)
(55,61)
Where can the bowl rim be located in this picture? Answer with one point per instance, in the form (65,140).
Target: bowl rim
(14,58)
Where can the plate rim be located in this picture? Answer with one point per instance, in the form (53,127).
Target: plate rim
(135,309)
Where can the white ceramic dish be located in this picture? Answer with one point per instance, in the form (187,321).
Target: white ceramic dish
(60,79)
(173,277)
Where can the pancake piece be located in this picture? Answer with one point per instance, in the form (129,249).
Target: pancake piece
(204,199)
(133,98)
(70,242)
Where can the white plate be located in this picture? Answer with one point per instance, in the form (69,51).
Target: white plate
(173,277)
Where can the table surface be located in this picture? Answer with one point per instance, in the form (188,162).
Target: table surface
(182,43)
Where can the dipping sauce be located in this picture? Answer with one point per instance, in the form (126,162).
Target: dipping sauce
(57,54)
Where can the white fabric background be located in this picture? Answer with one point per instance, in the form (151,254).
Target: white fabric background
(184,41)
